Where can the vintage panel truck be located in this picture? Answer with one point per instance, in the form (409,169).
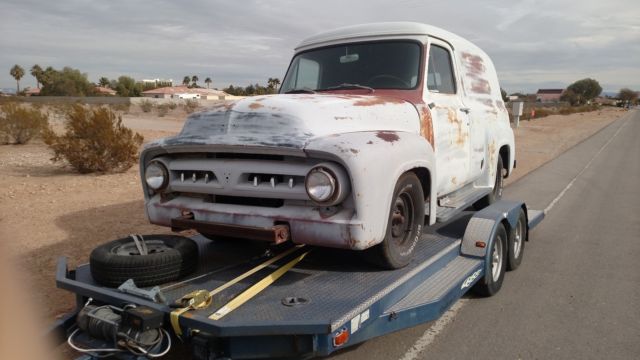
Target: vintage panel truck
(382,140)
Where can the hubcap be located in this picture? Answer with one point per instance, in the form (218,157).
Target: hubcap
(517,240)
(130,249)
(496,259)
(401,218)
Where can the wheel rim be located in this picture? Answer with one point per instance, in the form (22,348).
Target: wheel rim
(496,259)
(402,218)
(130,249)
(517,239)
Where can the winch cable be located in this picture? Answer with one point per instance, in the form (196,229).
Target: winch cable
(205,301)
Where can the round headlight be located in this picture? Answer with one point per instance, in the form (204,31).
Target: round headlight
(156,175)
(320,184)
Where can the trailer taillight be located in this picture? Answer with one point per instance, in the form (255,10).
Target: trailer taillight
(341,338)
(481,244)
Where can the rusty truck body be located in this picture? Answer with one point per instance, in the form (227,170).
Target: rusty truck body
(378,130)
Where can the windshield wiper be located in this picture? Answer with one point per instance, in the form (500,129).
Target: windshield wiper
(347,86)
(300,91)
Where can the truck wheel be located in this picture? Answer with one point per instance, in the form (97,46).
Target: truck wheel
(517,238)
(496,193)
(491,283)
(404,227)
(168,258)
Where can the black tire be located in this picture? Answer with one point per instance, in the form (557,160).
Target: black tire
(170,257)
(404,226)
(517,239)
(496,193)
(491,283)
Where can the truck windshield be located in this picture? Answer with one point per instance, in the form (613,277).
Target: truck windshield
(375,65)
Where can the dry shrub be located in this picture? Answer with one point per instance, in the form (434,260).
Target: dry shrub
(95,141)
(19,123)
(172,105)
(146,106)
(542,112)
(190,106)
(123,108)
(163,109)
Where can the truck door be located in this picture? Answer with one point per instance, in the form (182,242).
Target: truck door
(450,119)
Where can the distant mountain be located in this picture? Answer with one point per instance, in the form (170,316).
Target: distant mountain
(608,93)
(8,90)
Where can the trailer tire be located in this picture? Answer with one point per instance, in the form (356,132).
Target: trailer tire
(491,283)
(517,239)
(169,258)
(404,226)
(498,186)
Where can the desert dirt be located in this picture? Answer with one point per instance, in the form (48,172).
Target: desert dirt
(47,210)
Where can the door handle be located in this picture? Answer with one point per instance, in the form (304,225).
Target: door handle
(465,110)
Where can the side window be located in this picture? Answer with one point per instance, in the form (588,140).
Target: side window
(440,75)
(306,75)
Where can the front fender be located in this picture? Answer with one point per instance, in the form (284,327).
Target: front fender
(374,162)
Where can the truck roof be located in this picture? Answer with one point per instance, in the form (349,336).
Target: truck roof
(401,28)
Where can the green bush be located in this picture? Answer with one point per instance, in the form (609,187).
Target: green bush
(146,106)
(190,106)
(94,141)
(19,123)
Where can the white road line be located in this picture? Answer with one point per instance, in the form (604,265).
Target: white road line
(570,184)
(430,334)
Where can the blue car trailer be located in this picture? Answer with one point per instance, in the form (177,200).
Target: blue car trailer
(303,302)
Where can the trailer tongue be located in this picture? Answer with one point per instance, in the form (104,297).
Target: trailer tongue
(242,303)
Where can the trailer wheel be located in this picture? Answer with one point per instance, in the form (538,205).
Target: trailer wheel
(404,227)
(517,238)
(496,193)
(491,283)
(168,258)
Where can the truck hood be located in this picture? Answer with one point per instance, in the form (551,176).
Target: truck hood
(291,121)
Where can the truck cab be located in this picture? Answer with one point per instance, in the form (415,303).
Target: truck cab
(378,130)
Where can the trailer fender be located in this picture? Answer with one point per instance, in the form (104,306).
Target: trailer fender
(479,234)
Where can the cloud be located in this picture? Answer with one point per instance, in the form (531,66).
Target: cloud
(533,43)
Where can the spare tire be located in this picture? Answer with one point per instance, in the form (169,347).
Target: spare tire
(168,258)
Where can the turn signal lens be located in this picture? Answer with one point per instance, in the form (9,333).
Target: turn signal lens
(341,338)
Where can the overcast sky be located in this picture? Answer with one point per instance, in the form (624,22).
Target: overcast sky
(532,43)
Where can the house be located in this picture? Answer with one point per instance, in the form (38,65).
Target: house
(549,95)
(184,92)
(32,92)
(100,90)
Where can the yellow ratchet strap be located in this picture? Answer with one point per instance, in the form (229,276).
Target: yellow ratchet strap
(201,299)
(255,289)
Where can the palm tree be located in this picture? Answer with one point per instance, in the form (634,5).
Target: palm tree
(36,72)
(186,80)
(104,82)
(208,81)
(17,72)
(273,83)
(195,79)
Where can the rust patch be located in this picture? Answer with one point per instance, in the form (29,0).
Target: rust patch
(377,100)
(426,125)
(369,142)
(354,150)
(388,136)
(480,86)
(474,64)
(343,117)
(487,102)
(255,106)
(454,180)
(461,137)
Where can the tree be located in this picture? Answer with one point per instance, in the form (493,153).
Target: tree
(194,79)
(582,91)
(17,72)
(104,82)
(66,82)
(504,95)
(208,81)
(272,84)
(186,80)
(128,87)
(36,72)
(628,96)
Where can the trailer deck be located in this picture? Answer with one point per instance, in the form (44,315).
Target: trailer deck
(328,292)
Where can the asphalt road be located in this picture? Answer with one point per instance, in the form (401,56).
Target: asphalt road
(577,293)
